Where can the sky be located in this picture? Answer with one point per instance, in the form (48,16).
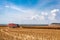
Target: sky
(29,11)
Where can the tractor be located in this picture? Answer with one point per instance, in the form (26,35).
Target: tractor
(13,25)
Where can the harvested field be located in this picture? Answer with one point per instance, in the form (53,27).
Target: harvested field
(29,34)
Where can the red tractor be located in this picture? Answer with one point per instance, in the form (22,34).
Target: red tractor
(12,25)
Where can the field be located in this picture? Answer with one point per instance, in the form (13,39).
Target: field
(7,33)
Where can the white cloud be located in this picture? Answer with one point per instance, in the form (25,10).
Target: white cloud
(28,15)
(53,13)
(38,17)
(15,7)
(42,17)
(54,10)
(44,13)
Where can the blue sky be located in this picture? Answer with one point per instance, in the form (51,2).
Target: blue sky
(29,11)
